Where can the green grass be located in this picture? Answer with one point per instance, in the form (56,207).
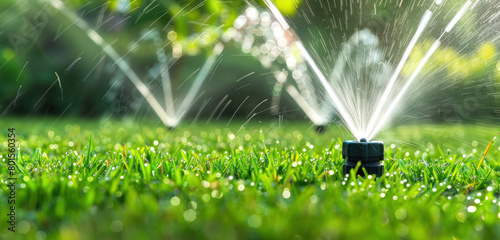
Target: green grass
(82,179)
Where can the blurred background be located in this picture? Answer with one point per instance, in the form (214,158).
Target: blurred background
(50,67)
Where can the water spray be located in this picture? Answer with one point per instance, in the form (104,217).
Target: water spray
(168,114)
(368,154)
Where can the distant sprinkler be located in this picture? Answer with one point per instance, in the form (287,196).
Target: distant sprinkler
(320,129)
(370,154)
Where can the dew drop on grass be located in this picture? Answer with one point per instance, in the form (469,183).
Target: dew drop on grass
(194,205)
(40,235)
(93,209)
(286,193)
(400,214)
(461,217)
(189,215)
(254,221)
(205,198)
(116,226)
(216,194)
(23,227)
(175,201)
(471,209)
(314,198)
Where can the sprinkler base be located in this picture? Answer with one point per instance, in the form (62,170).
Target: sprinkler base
(377,169)
(370,154)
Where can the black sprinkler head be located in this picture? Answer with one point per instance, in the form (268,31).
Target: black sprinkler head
(370,154)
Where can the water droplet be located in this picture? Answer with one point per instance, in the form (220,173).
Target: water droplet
(254,221)
(175,201)
(116,226)
(286,193)
(189,215)
(471,209)
(400,214)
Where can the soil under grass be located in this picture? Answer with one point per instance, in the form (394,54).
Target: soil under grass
(110,179)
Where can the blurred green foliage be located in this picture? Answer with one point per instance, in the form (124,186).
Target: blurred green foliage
(456,65)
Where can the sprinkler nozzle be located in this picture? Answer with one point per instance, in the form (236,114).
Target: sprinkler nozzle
(370,154)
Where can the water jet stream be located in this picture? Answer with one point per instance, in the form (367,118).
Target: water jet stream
(426,58)
(202,75)
(310,112)
(111,52)
(382,108)
(331,93)
(380,104)
(164,74)
(396,100)
(169,116)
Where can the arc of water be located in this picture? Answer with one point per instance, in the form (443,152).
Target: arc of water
(330,92)
(315,117)
(202,75)
(396,100)
(165,75)
(169,116)
(110,51)
(381,102)
(426,58)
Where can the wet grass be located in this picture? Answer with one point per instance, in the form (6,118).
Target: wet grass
(80,179)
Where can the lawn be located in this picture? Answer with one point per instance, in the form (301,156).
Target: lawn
(126,179)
